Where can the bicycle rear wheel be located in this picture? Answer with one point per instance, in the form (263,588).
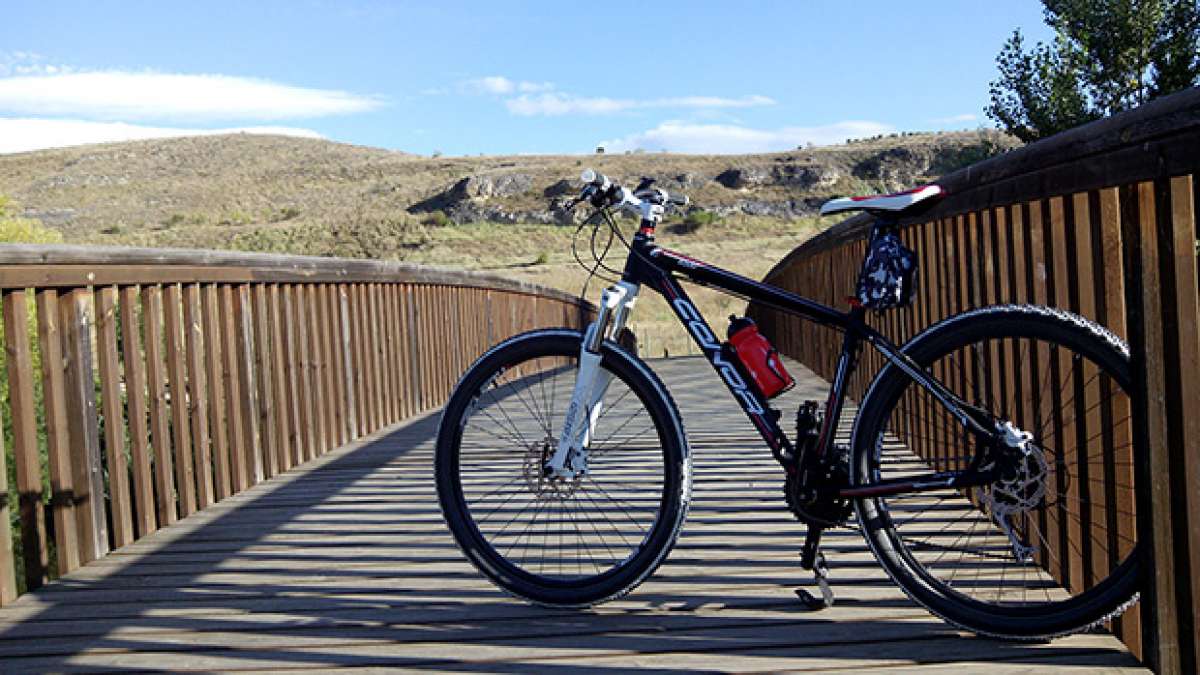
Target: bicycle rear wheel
(561,542)
(1071,561)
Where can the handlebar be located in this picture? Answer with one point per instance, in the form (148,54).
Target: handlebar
(598,185)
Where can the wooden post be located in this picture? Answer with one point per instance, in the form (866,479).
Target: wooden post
(181,397)
(87,468)
(135,392)
(304,373)
(351,400)
(19,365)
(1128,626)
(1185,456)
(362,393)
(8,570)
(198,380)
(218,410)
(58,443)
(252,469)
(233,390)
(1160,630)
(316,366)
(337,373)
(279,383)
(263,354)
(114,418)
(294,379)
(160,437)
(329,407)
(416,386)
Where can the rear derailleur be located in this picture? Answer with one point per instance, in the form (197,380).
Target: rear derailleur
(818,507)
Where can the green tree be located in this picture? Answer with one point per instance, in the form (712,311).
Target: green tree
(1106,56)
(17,230)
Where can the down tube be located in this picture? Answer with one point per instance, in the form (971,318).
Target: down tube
(763,418)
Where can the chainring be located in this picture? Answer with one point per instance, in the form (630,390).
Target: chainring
(822,511)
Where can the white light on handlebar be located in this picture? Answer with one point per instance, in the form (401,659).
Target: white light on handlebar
(588,176)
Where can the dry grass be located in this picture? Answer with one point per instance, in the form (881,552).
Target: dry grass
(749,247)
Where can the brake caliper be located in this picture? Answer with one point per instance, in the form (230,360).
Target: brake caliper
(1020,486)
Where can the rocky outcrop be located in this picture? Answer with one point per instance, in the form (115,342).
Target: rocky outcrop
(560,188)
(895,168)
(742,177)
(501,185)
(463,195)
(784,208)
(806,177)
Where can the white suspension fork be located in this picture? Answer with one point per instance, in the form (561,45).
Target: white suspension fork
(591,383)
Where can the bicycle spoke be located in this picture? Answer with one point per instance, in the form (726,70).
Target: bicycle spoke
(559,528)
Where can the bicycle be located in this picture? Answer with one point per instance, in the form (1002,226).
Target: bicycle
(563,470)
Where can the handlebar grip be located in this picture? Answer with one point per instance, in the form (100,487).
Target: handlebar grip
(591,177)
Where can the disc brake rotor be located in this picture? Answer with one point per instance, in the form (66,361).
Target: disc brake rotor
(539,481)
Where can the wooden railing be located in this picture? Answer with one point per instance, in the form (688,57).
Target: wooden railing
(1100,220)
(144,385)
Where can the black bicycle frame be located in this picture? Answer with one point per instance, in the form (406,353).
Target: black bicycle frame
(657,267)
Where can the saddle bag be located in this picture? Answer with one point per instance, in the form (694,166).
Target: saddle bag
(889,274)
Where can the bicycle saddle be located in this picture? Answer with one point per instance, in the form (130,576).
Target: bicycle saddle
(895,202)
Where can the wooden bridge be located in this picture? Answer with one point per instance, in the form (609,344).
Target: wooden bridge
(222,461)
(345,562)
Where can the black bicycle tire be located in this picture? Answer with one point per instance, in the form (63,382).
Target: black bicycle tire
(634,570)
(1102,602)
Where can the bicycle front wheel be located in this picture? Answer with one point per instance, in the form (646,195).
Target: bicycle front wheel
(1050,547)
(553,541)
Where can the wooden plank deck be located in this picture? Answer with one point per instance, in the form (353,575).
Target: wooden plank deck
(346,562)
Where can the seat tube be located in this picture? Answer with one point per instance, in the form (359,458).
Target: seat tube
(847,362)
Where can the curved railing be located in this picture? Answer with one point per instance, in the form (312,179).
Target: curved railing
(1100,220)
(143,384)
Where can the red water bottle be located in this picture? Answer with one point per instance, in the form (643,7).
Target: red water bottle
(760,359)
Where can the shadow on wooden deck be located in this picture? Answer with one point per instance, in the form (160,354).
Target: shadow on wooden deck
(346,562)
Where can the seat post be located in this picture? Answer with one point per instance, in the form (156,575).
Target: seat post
(884,223)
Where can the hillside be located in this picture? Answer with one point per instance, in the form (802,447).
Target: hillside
(273,193)
(225,187)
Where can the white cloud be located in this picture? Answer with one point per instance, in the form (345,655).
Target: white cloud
(499,85)
(676,136)
(955,119)
(119,95)
(23,134)
(28,63)
(566,104)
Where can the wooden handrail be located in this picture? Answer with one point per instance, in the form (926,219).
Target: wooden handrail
(66,265)
(157,382)
(1100,220)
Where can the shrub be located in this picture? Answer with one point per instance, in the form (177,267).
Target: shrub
(286,213)
(436,219)
(15,229)
(693,222)
(236,218)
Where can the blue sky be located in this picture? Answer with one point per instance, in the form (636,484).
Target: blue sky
(501,77)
